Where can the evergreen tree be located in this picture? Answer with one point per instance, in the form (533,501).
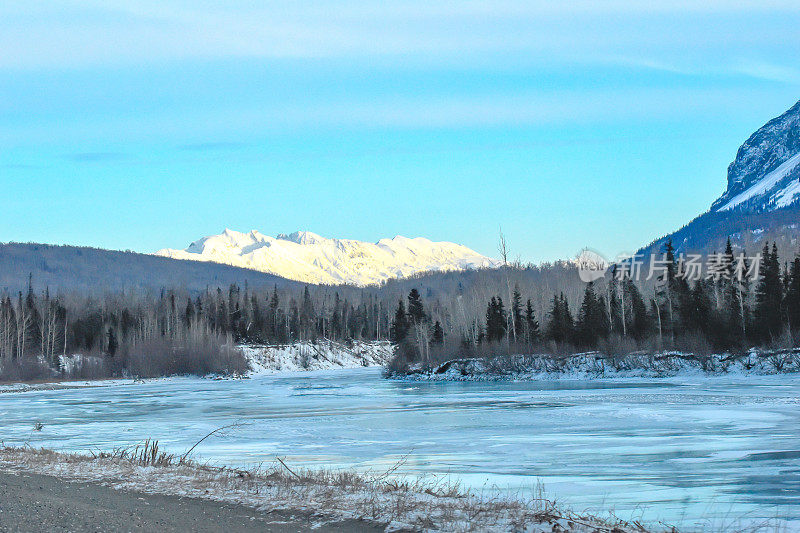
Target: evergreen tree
(516,313)
(272,318)
(768,324)
(682,300)
(732,311)
(32,311)
(700,314)
(416,311)
(336,318)
(438,333)
(638,320)
(307,315)
(792,299)
(188,315)
(112,343)
(591,325)
(400,324)
(615,302)
(531,324)
(560,325)
(496,320)
(665,294)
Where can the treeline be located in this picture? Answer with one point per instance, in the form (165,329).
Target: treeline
(171,332)
(514,309)
(723,311)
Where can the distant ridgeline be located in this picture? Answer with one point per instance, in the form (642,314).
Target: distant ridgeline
(93,271)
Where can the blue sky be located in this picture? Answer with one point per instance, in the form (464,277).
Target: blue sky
(144,125)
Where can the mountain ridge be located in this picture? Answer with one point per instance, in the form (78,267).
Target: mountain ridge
(761,201)
(66,268)
(765,175)
(308,257)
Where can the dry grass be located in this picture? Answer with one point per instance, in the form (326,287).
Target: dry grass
(146,454)
(420,503)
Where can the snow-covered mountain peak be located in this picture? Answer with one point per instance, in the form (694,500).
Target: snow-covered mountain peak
(306,256)
(766,172)
(303,237)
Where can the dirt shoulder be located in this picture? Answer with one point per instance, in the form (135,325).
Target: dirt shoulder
(144,488)
(34,502)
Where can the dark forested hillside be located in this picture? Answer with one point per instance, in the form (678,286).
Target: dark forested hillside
(747,231)
(92,270)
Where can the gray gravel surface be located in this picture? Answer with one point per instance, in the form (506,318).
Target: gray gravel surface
(32,503)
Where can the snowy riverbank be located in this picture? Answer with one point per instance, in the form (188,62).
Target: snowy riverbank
(393,503)
(594,365)
(318,355)
(262,359)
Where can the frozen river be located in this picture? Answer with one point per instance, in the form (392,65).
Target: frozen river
(701,453)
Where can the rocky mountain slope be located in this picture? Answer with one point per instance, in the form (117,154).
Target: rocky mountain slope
(307,257)
(766,172)
(762,198)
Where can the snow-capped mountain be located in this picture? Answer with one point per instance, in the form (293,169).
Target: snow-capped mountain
(307,257)
(766,172)
(762,199)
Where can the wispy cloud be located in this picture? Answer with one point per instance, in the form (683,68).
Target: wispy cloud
(768,71)
(95,157)
(212,146)
(58,33)
(18,166)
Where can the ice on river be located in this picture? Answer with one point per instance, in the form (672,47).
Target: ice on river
(698,452)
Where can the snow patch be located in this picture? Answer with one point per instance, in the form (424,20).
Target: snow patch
(764,184)
(788,195)
(319,355)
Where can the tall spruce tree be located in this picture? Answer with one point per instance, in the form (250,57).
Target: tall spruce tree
(615,300)
(416,311)
(516,313)
(731,314)
(438,333)
(701,312)
(272,318)
(496,320)
(792,298)
(307,315)
(400,325)
(639,324)
(769,295)
(592,324)
(560,324)
(531,324)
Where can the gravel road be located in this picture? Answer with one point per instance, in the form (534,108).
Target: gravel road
(32,503)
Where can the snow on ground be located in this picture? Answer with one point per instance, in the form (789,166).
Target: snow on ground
(382,498)
(318,355)
(594,365)
(298,357)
